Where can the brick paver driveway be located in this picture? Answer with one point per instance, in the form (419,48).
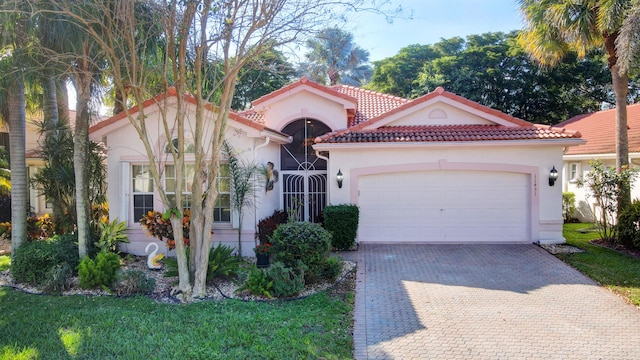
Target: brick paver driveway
(485,302)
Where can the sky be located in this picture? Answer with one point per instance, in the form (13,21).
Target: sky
(432,20)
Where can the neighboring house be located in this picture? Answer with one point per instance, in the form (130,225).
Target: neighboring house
(439,169)
(599,130)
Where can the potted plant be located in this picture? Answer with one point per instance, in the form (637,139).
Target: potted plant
(262,255)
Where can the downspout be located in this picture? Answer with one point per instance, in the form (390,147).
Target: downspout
(255,149)
(255,202)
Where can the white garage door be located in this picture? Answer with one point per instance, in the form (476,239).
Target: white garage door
(444,206)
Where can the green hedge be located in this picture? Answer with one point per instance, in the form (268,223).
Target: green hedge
(342,222)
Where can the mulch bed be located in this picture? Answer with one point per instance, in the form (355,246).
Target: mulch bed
(616,247)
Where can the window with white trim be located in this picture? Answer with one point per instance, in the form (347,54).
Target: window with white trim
(574,171)
(142,182)
(187,182)
(222,208)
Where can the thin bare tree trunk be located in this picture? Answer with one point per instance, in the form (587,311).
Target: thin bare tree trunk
(19,181)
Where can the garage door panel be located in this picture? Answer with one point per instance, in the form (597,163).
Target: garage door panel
(445,206)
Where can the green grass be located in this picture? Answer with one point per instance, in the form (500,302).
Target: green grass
(616,271)
(67,327)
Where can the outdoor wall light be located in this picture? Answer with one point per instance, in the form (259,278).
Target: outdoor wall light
(339,178)
(553,176)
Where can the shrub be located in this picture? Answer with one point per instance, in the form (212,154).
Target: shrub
(603,184)
(629,226)
(33,259)
(568,205)
(134,282)
(158,225)
(101,272)
(305,242)
(268,225)
(332,268)
(112,234)
(257,283)
(222,262)
(342,223)
(286,281)
(56,280)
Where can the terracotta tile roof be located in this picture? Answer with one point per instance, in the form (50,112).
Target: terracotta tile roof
(303,81)
(252,115)
(171,92)
(599,130)
(371,104)
(446,133)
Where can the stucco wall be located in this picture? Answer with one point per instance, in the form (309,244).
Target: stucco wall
(125,148)
(547,201)
(305,105)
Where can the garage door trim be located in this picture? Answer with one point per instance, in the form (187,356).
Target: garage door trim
(532,171)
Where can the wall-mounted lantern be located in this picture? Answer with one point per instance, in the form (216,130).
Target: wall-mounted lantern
(553,176)
(339,178)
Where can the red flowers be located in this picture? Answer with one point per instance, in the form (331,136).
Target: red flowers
(262,248)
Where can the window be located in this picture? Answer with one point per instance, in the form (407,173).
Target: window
(573,171)
(170,184)
(189,147)
(142,191)
(222,208)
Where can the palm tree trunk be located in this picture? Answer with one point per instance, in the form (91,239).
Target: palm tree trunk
(51,120)
(63,99)
(80,156)
(19,181)
(620,82)
(620,87)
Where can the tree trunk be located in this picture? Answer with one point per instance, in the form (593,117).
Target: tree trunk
(51,121)
(181,255)
(80,158)
(63,99)
(17,149)
(620,88)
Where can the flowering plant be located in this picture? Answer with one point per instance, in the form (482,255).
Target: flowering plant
(263,249)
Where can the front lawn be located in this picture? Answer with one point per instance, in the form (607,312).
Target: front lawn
(616,271)
(67,327)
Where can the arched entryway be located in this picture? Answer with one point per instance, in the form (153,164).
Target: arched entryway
(304,175)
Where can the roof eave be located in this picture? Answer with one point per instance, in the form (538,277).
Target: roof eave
(502,143)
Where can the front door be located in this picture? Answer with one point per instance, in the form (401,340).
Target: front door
(304,175)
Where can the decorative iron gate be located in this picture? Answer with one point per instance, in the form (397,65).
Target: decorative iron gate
(305,194)
(304,175)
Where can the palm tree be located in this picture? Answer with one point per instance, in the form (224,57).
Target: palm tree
(555,27)
(14,29)
(628,42)
(334,56)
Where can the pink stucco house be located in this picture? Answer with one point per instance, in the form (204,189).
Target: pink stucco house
(598,129)
(436,169)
